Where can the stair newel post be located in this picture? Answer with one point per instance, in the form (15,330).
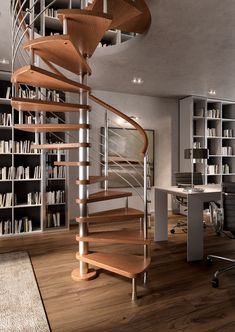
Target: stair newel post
(106,150)
(42,18)
(70,4)
(134,290)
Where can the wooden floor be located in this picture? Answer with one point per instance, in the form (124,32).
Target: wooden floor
(178,297)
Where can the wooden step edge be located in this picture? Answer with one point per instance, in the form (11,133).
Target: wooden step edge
(92,179)
(56,126)
(20,103)
(123,236)
(71,14)
(130,266)
(60,146)
(71,163)
(39,43)
(103,196)
(34,71)
(122,214)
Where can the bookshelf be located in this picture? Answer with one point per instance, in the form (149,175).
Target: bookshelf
(25,185)
(209,123)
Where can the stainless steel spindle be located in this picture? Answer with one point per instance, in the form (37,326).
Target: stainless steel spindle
(106,150)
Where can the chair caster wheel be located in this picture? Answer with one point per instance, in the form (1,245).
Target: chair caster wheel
(209,261)
(172,231)
(215,282)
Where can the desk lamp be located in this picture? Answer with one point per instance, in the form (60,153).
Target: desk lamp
(195,154)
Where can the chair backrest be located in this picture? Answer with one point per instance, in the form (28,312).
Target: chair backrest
(228,203)
(186,178)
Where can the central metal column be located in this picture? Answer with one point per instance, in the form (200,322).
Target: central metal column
(83,175)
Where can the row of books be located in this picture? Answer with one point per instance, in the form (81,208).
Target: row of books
(213,169)
(227,150)
(20,172)
(34,198)
(55,197)
(209,113)
(32,94)
(55,172)
(16,146)
(211,132)
(6,200)
(54,219)
(5,119)
(213,113)
(228,133)
(23,225)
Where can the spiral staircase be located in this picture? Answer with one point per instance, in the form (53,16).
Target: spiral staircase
(83,29)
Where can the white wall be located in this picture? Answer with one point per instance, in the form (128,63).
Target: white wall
(159,114)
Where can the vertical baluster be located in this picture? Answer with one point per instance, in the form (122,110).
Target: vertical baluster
(106,150)
(105,6)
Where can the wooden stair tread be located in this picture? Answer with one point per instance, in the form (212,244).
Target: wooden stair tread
(36,105)
(140,23)
(90,26)
(121,214)
(61,51)
(38,77)
(129,266)
(71,163)
(92,179)
(122,11)
(59,146)
(103,196)
(118,236)
(48,127)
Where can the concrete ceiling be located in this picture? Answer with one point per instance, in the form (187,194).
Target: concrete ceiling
(189,49)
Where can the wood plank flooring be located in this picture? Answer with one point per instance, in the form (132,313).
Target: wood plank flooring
(178,296)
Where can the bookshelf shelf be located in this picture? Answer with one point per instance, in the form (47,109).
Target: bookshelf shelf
(27,205)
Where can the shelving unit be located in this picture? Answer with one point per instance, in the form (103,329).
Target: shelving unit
(211,124)
(25,170)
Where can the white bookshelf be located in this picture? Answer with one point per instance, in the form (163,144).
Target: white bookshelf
(209,123)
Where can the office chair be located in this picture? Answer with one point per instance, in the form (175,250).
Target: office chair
(184,180)
(223,220)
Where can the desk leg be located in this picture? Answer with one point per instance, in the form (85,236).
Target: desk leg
(195,228)
(161,216)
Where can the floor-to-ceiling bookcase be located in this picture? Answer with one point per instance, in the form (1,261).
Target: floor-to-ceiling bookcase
(209,123)
(30,199)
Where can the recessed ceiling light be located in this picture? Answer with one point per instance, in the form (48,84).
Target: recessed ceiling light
(137,80)
(4,61)
(212,92)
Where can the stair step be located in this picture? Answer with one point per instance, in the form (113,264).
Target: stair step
(122,11)
(122,214)
(61,51)
(36,105)
(89,26)
(103,196)
(92,179)
(48,127)
(120,236)
(129,266)
(71,163)
(38,77)
(59,146)
(140,23)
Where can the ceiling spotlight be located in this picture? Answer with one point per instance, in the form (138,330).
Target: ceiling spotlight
(137,80)
(212,92)
(4,61)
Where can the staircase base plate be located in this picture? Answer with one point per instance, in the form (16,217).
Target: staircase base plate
(76,276)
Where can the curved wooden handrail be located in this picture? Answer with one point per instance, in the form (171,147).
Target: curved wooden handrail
(125,117)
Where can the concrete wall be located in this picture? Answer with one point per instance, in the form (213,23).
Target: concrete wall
(159,114)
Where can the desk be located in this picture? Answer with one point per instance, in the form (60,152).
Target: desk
(194,216)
